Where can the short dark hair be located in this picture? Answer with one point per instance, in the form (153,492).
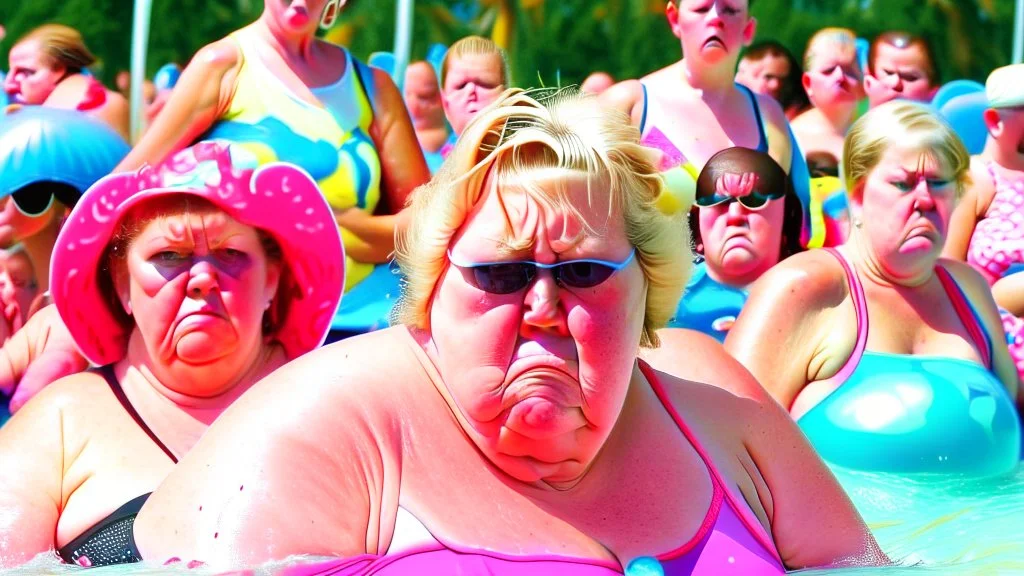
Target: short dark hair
(903,40)
(792,94)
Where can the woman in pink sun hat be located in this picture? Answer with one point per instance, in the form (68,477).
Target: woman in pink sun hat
(185,283)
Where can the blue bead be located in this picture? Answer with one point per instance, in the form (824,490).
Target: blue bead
(645,566)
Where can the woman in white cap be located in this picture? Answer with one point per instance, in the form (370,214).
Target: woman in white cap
(186,284)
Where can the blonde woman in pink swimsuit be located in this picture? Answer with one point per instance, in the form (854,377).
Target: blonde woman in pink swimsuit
(507,426)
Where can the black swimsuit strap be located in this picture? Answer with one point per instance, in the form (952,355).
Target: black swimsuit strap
(108,374)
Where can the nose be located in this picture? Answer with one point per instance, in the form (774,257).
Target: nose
(10,84)
(737,214)
(923,199)
(714,17)
(543,311)
(202,279)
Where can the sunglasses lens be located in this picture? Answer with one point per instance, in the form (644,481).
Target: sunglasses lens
(583,274)
(710,200)
(502,278)
(32,202)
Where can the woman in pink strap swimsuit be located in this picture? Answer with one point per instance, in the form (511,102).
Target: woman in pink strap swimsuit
(507,426)
(987,229)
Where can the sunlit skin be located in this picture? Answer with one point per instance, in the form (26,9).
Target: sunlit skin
(708,112)
(35,79)
(423,99)
(740,244)
(1004,151)
(833,85)
(472,82)
(291,51)
(31,77)
(196,286)
(36,234)
(899,73)
(597,83)
(901,211)
(530,402)
(765,76)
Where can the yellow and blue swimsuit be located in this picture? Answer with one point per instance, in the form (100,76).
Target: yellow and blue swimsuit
(331,142)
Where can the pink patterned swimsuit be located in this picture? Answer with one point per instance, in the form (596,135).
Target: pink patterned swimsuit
(997,250)
(730,541)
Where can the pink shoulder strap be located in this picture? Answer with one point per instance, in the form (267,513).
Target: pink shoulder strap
(860,307)
(742,511)
(967,315)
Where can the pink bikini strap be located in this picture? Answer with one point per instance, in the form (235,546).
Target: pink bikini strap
(742,511)
(968,316)
(860,308)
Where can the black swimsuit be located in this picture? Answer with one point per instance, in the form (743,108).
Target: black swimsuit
(110,540)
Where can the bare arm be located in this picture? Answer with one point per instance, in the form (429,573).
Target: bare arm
(813,522)
(781,336)
(371,238)
(403,168)
(31,478)
(201,96)
(39,354)
(968,210)
(281,473)
(1009,293)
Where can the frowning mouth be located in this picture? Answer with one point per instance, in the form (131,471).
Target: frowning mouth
(714,41)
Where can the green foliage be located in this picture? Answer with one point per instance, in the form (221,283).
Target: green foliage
(556,39)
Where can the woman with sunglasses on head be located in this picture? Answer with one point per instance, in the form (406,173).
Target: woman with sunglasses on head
(694,108)
(538,265)
(284,94)
(929,387)
(49,67)
(745,220)
(184,292)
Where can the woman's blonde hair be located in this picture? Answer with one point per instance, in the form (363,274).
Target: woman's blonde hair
(830,41)
(908,124)
(62,45)
(474,46)
(532,134)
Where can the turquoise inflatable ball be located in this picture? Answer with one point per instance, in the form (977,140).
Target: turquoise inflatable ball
(166,77)
(954,89)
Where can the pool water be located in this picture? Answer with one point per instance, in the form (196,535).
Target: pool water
(932,525)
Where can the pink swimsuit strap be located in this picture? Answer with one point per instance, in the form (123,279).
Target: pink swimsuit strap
(961,305)
(741,510)
(860,308)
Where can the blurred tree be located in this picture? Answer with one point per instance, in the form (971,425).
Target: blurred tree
(547,41)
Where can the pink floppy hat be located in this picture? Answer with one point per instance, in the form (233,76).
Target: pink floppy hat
(277,198)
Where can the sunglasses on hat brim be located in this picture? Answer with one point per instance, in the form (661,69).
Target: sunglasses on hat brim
(753,201)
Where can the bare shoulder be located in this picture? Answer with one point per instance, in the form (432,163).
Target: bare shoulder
(623,96)
(83,391)
(223,55)
(965,275)
(696,357)
(810,280)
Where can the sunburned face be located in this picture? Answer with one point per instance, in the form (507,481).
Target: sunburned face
(296,16)
(712,31)
(197,286)
(765,76)
(16,226)
(899,73)
(540,374)
(741,243)
(32,77)
(834,79)
(18,287)
(904,210)
(422,96)
(472,82)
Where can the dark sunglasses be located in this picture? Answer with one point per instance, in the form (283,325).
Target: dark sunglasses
(36,198)
(509,277)
(754,201)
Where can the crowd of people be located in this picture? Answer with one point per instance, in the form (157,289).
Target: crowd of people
(717,279)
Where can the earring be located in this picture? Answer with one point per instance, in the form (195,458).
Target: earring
(330,13)
(857,223)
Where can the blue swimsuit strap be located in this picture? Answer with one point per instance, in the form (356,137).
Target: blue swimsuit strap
(762,145)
